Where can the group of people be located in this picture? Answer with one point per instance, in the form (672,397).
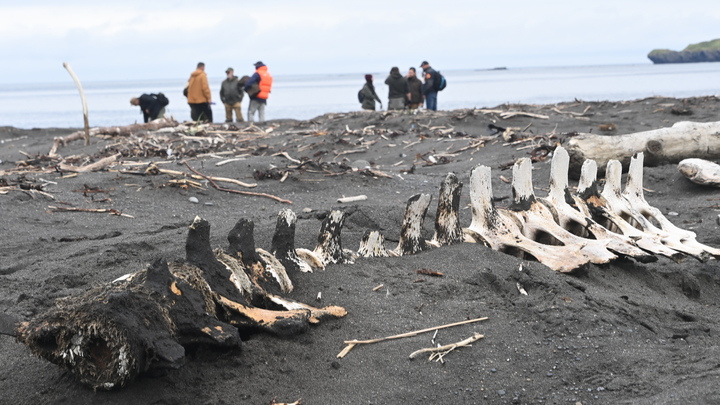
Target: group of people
(199,97)
(404,91)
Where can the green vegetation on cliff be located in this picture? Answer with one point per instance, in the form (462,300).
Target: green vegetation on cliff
(704,46)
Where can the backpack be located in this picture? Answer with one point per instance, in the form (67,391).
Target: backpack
(439,83)
(361,97)
(162,99)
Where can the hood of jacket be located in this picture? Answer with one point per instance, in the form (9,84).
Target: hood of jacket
(197,73)
(396,75)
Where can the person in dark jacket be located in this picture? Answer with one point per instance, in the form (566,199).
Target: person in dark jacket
(415,95)
(397,89)
(369,95)
(151,108)
(428,89)
(231,94)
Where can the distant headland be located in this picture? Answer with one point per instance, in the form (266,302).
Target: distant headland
(708,51)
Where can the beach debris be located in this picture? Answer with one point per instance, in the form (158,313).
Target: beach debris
(683,140)
(111,211)
(329,246)
(438,353)
(82,99)
(355,198)
(428,272)
(352,343)
(447,218)
(700,171)
(108,335)
(298,402)
(607,127)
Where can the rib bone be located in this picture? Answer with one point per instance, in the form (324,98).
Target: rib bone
(447,219)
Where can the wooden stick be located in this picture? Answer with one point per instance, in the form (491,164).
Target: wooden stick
(441,351)
(199,176)
(84,102)
(351,343)
(229,190)
(98,210)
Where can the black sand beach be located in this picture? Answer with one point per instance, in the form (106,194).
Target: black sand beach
(621,333)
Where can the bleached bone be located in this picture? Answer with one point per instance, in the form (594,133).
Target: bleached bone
(329,247)
(633,193)
(411,240)
(283,243)
(447,218)
(595,206)
(372,245)
(700,171)
(580,224)
(502,231)
(621,206)
(309,257)
(537,219)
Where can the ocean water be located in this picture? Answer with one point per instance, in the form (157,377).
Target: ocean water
(44,105)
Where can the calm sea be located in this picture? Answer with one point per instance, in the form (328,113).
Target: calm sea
(35,105)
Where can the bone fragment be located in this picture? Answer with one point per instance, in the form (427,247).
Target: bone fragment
(538,220)
(570,218)
(352,199)
(283,243)
(502,231)
(372,245)
(329,247)
(594,205)
(671,234)
(447,220)
(700,171)
(411,240)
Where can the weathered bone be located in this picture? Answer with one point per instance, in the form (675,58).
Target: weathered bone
(142,321)
(633,193)
(700,171)
(372,245)
(580,224)
(447,220)
(537,219)
(411,240)
(283,243)
(595,206)
(329,247)
(502,230)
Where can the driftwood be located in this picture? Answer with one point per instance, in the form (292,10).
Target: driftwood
(700,171)
(86,122)
(665,145)
(143,321)
(127,129)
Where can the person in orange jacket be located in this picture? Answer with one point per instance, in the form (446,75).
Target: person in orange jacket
(258,88)
(199,96)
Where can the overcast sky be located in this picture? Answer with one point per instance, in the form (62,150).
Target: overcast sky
(155,39)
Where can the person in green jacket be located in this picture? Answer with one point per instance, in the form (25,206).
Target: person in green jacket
(369,95)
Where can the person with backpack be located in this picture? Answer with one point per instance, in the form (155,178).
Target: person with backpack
(397,89)
(151,105)
(199,97)
(367,95)
(231,94)
(258,88)
(434,82)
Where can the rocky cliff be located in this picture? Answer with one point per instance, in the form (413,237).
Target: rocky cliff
(708,51)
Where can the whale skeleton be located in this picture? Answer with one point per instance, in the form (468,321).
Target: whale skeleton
(143,321)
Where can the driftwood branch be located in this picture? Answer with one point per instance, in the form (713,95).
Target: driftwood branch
(665,145)
(82,98)
(229,190)
(352,343)
(437,353)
